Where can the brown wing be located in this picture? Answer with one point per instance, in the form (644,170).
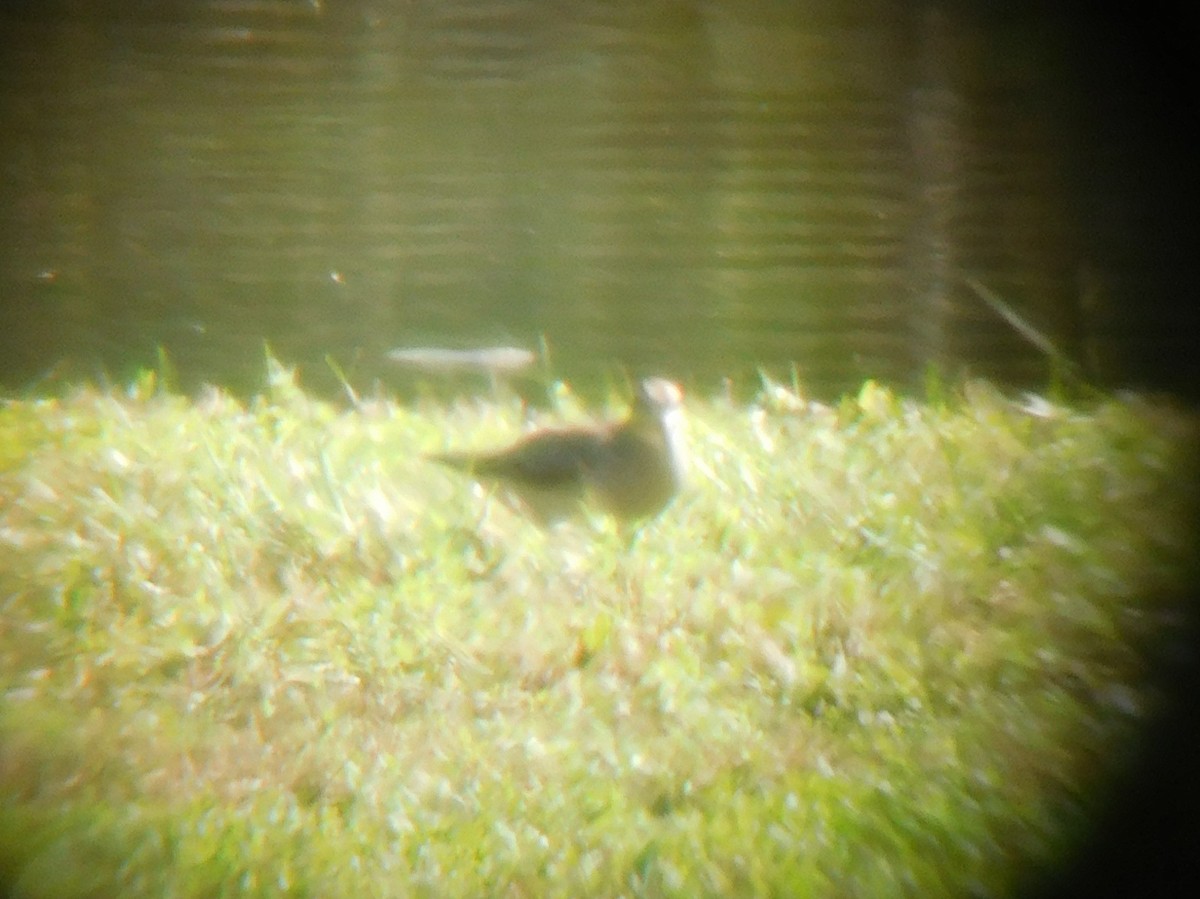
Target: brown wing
(547,459)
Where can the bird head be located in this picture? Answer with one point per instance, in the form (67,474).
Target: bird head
(658,397)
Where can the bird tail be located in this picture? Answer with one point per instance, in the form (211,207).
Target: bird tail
(458,461)
(474,464)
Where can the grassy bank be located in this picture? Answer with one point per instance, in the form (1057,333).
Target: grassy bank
(880,648)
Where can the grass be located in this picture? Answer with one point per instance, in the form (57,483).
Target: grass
(881,648)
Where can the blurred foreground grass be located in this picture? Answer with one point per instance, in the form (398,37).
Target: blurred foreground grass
(882,648)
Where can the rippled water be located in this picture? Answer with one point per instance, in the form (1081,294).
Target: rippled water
(695,189)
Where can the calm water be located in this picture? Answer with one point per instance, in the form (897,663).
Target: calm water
(696,189)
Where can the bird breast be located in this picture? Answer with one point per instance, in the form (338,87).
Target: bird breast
(639,472)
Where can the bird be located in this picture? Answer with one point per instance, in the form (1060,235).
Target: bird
(631,469)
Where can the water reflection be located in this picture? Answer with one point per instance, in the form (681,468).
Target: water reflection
(692,189)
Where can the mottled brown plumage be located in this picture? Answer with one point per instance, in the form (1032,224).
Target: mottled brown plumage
(631,469)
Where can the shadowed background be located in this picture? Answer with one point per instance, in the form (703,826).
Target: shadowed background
(689,188)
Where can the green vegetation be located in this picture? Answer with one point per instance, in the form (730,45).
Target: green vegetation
(881,648)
